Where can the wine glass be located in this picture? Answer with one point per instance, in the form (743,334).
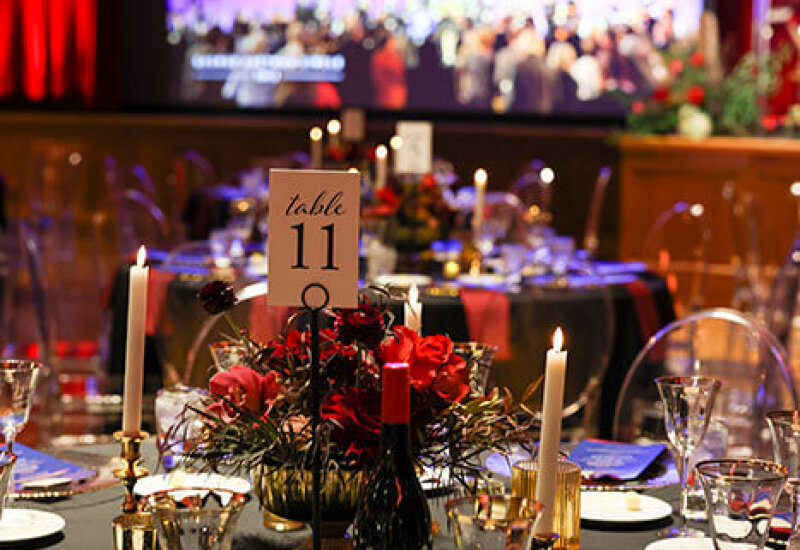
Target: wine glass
(17,381)
(785,429)
(688,402)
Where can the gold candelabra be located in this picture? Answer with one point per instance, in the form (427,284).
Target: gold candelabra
(133,529)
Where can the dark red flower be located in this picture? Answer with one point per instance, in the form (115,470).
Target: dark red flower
(337,154)
(244,389)
(676,66)
(355,415)
(364,325)
(697,59)
(696,95)
(637,107)
(428,181)
(661,94)
(216,297)
(343,366)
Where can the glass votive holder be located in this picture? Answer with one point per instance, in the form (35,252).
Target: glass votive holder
(176,423)
(492,521)
(513,262)
(561,250)
(567,509)
(227,354)
(196,518)
(740,497)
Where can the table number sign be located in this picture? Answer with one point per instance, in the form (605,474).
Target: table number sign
(415,154)
(353,124)
(313,237)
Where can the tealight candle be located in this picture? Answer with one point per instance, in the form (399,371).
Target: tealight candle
(134,351)
(413,310)
(550,438)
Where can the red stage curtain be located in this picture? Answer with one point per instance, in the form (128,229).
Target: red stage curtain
(8,54)
(48,49)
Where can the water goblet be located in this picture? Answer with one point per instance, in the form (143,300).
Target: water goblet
(492,521)
(17,381)
(196,518)
(561,251)
(688,402)
(740,497)
(176,421)
(513,263)
(785,429)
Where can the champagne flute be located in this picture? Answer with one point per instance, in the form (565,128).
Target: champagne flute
(688,402)
(17,382)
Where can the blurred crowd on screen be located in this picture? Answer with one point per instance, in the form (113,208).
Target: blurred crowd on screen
(508,65)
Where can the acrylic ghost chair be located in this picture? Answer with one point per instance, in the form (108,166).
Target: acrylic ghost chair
(591,240)
(676,248)
(186,333)
(735,348)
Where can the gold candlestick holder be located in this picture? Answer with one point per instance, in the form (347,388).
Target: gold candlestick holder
(133,530)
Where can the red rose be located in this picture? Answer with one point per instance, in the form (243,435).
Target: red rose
(337,153)
(428,181)
(676,66)
(356,418)
(246,390)
(637,107)
(364,325)
(661,94)
(696,95)
(697,59)
(452,380)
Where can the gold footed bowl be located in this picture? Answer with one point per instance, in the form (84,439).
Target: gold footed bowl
(286,493)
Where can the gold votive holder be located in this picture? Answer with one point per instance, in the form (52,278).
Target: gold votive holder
(133,529)
(567,509)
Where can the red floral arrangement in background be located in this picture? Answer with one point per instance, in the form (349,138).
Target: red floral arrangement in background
(258,413)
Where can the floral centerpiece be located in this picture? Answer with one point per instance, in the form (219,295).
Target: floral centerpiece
(258,415)
(690,100)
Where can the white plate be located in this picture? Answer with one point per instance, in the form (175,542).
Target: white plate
(609,507)
(688,543)
(403,280)
(20,524)
(151,484)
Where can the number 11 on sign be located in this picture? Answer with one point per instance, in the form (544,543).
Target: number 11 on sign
(300,228)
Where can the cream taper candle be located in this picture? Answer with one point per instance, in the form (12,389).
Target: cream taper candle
(316,147)
(413,310)
(381,154)
(134,351)
(479,179)
(550,438)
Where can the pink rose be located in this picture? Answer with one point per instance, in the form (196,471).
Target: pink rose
(246,390)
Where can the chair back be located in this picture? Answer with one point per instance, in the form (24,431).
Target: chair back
(534,188)
(745,217)
(676,247)
(591,241)
(732,346)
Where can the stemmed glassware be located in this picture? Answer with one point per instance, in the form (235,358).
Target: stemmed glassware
(17,381)
(688,402)
(785,429)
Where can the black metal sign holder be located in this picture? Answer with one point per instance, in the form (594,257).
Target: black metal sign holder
(314,311)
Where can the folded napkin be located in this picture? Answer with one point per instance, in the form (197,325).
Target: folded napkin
(33,465)
(649,322)
(267,322)
(488,318)
(157,284)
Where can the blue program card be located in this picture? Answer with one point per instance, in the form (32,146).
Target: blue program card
(620,461)
(33,465)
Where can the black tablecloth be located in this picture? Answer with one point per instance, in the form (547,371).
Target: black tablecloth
(88,520)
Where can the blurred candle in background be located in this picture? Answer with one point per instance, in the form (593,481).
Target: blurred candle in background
(381,153)
(479,179)
(413,310)
(316,147)
(334,129)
